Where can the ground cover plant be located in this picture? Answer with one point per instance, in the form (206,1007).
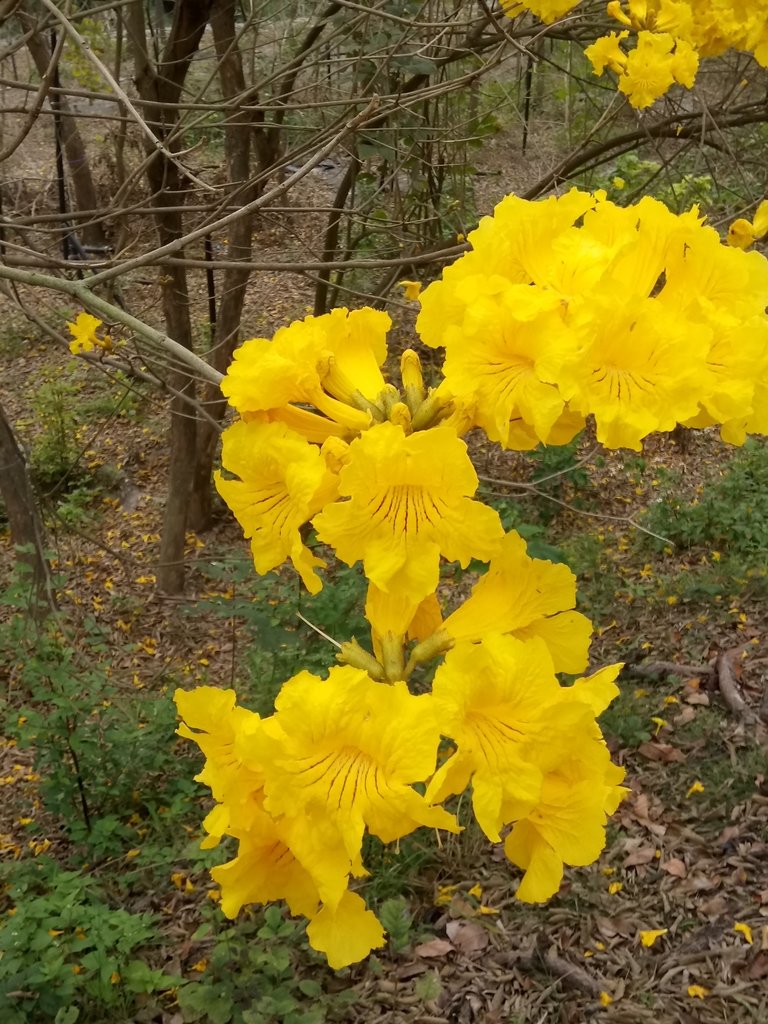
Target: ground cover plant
(553,395)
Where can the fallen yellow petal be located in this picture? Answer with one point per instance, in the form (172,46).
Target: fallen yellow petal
(696,787)
(745,930)
(697,991)
(605,999)
(651,935)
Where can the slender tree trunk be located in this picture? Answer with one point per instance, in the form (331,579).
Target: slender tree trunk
(161,85)
(239,129)
(27,531)
(83,188)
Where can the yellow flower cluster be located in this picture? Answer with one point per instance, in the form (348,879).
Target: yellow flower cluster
(565,308)
(670,38)
(573,306)
(340,757)
(385,480)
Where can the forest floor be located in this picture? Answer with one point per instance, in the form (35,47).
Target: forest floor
(687,852)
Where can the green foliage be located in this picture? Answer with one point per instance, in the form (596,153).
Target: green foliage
(63,948)
(96,33)
(395,916)
(99,753)
(252,976)
(277,643)
(730,512)
(54,452)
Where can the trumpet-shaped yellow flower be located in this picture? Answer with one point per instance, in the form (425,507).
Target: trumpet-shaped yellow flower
(491,362)
(408,502)
(266,869)
(641,369)
(520,244)
(499,701)
(527,598)
(212,720)
(329,363)
(284,481)
(347,749)
(568,824)
(84,336)
(547,10)
(606,52)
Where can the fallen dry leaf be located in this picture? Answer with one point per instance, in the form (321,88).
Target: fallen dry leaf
(467,938)
(758,969)
(663,752)
(643,855)
(674,866)
(435,947)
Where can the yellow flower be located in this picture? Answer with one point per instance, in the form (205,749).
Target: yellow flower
(411,289)
(525,597)
(227,734)
(605,999)
(640,370)
(741,234)
(284,481)
(697,991)
(266,868)
(347,750)
(547,10)
(649,937)
(696,787)
(744,930)
(500,703)
(615,887)
(408,502)
(329,363)
(83,332)
(492,363)
(606,52)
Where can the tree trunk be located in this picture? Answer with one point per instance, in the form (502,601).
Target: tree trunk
(160,86)
(27,531)
(75,154)
(239,128)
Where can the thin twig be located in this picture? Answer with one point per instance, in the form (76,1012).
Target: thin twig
(318,630)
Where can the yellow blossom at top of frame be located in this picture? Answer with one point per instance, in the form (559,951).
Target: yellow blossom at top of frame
(547,10)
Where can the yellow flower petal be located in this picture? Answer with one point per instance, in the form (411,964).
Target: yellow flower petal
(649,937)
(346,933)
